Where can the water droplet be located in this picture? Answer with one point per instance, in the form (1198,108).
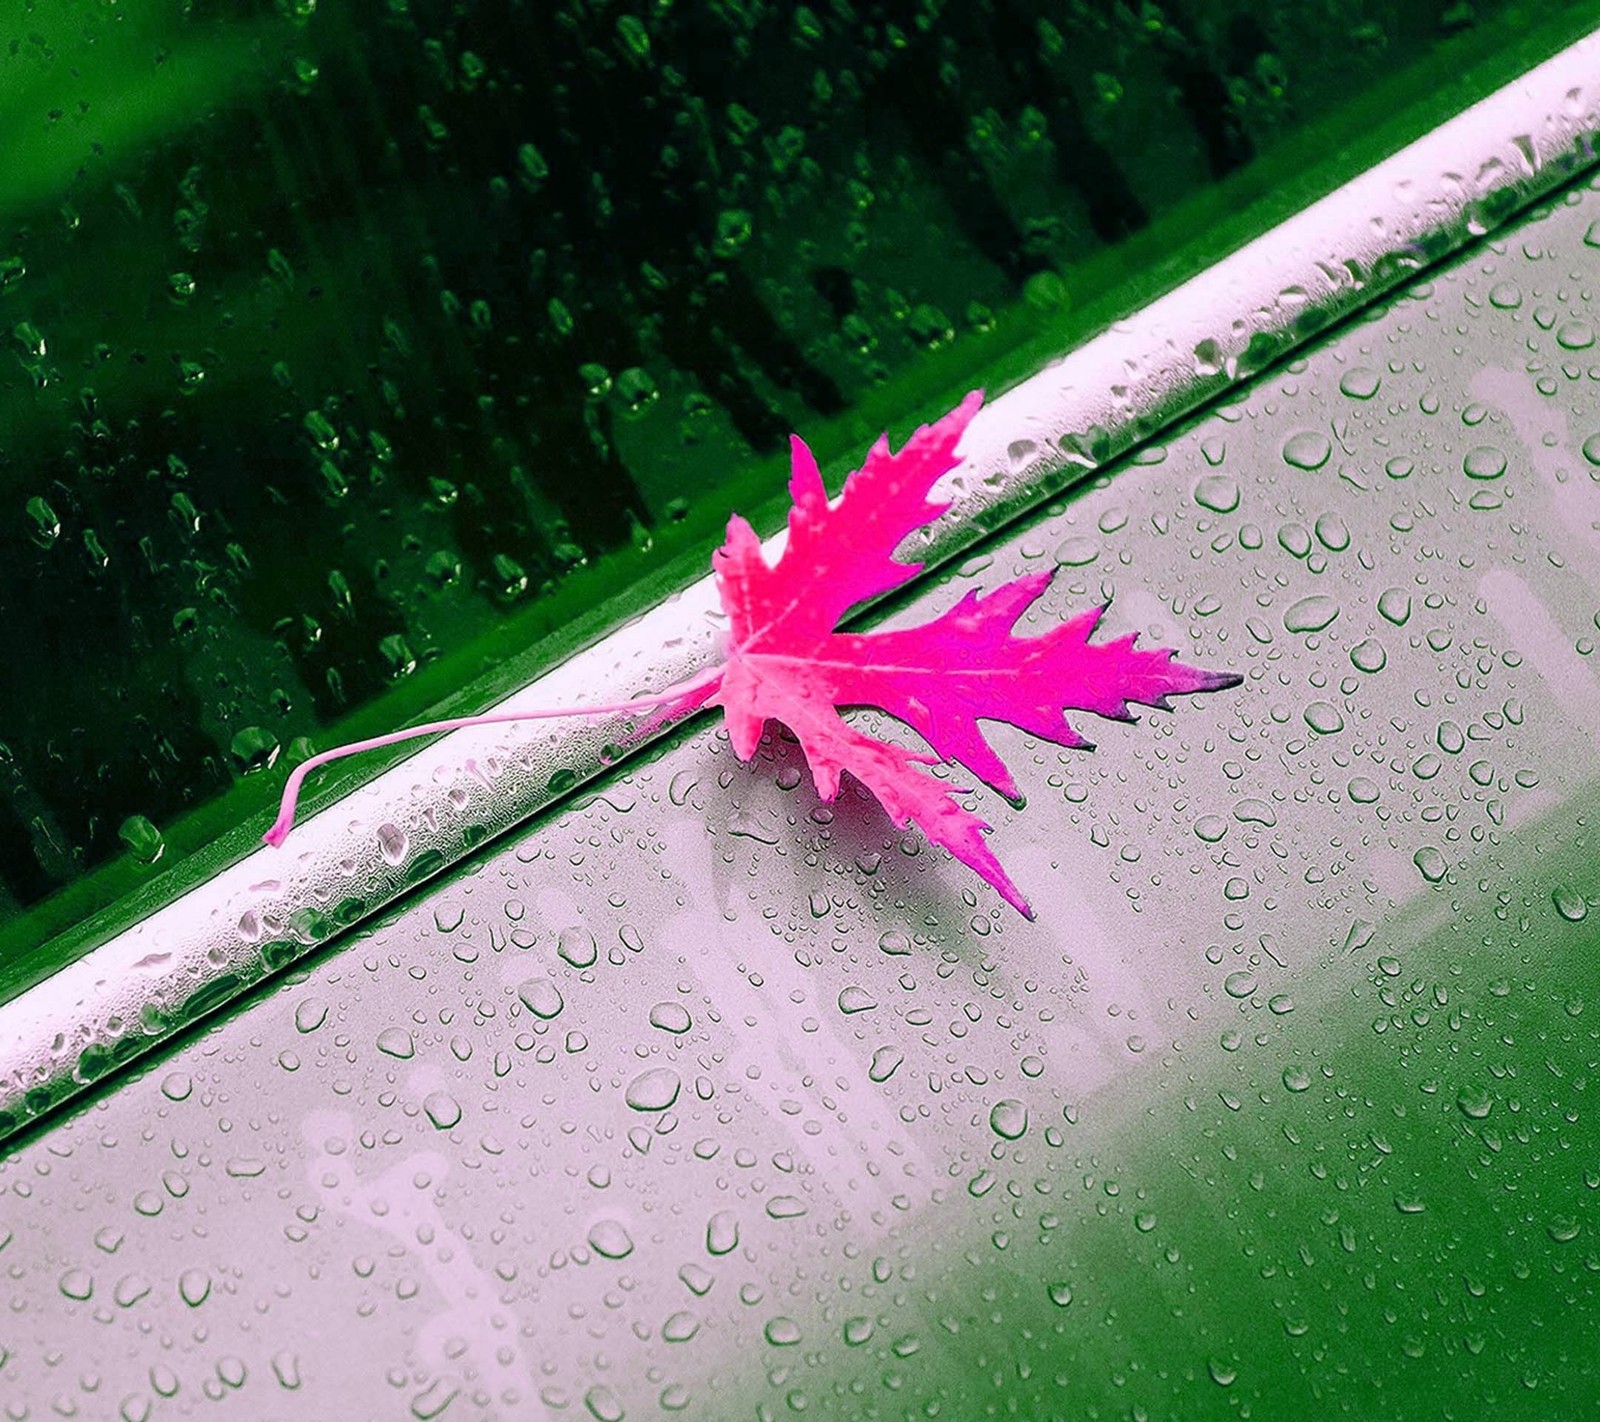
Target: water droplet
(1293,538)
(1430,863)
(1362,790)
(1483,461)
(782,1332)
(637,391)
(77,1284)
(858,1330)
(1311,614)
(393,842)
(1591,449)
(856,999)
(177,1086)
(1077,551)
(602,1402)
(1332,533)
(578,947)
(1208,358)
(785,1207)
(130,1289)
(397,1042)
(1210,828)
(1223,1373)
(1218,493)
(670,1017)
(722,1233)
(541,997)
(1060,1294)
(610,1239)
(1045,292)
(1575,335)
(1570,904)
(1296,1078)
(442,1109)
(1368,655)
(929,327)
(734,229)
(309,1014)
(1239,984)
(1360,382)
(29,337)
(142,839)
(1505,295)
(1324,718)
(680,1327)
(253,749)
(447,916)
(1008,1119)
(44,527)
(194,1287)
(1474,1102)
(1395,606)
(885,1062)
(653,1090)
(895,943)
(1307,450)
(231,1371)
(1254,812)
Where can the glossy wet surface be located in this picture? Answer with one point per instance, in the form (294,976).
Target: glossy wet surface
(706,1098)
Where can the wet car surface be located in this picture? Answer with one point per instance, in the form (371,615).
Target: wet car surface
(703,1097)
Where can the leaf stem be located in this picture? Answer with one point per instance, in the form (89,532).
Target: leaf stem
(291,790)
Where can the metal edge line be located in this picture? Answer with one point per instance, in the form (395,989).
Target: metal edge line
(357,856)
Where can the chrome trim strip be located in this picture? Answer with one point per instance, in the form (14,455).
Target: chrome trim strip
(350,860)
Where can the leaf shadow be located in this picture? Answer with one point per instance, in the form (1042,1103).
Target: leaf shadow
(899,879)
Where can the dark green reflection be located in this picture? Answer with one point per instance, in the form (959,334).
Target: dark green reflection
(1384,1203)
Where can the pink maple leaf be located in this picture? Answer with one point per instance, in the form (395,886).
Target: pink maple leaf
(787,661)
